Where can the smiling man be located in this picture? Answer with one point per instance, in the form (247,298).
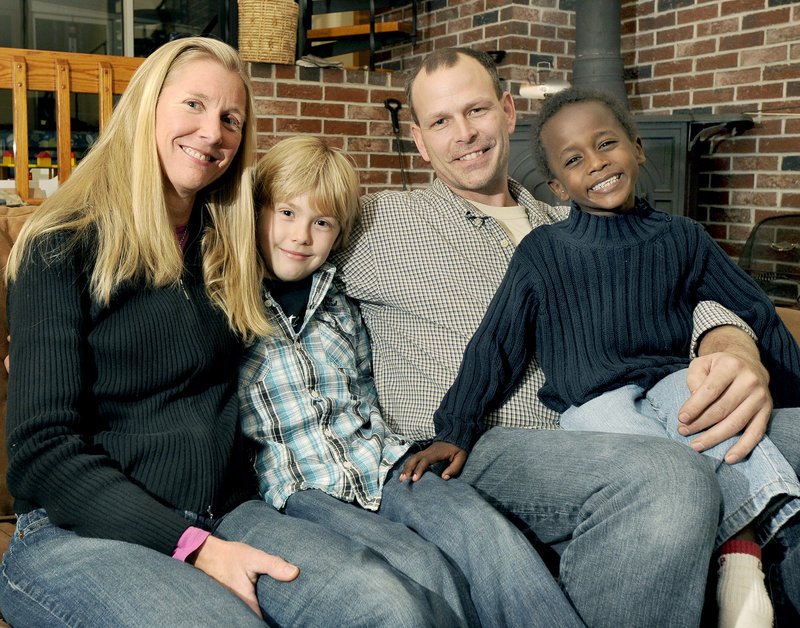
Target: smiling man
(632,519)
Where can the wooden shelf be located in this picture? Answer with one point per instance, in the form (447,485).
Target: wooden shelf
(359,30)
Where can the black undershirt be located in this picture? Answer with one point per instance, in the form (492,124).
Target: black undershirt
(292,297)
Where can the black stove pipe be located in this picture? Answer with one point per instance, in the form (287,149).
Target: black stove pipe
(598,62)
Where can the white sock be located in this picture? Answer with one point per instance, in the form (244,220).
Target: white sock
(741,594)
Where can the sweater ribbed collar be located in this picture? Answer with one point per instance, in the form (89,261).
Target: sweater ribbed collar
(641,223)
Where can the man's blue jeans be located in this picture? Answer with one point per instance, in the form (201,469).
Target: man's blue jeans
(52,577)
(760,491)
(634,517)
(508,582)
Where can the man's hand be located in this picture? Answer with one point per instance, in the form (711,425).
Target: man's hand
(729,393)
(237,566)
(416,465)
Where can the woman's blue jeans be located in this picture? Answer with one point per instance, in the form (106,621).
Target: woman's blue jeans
(508,582)
(761,490)
(52,577)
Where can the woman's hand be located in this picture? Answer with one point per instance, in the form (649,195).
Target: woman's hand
(237,566)
(416,465)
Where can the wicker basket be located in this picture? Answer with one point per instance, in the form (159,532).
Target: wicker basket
(268,30)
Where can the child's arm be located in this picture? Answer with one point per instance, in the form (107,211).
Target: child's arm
(495,359)
(725,283)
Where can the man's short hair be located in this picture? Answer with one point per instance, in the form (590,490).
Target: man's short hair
(447,58)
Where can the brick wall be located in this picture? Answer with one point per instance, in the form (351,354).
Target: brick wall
(346,107)
(711,56)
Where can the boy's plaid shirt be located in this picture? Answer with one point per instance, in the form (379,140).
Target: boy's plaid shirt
(309,404)
(424,266)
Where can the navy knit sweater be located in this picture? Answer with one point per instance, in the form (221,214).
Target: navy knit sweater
(603,302)
(118,415)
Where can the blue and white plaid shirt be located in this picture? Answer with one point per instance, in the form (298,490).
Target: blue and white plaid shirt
(424,266)
(309,403)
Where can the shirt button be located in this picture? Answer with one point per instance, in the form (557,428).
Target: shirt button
(347,464)
(505,244)
(327,431)
(314,394)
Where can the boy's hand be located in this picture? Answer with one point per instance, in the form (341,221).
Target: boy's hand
(237,566)
(416,465)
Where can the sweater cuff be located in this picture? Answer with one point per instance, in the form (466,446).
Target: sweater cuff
(189,542)
(454,431)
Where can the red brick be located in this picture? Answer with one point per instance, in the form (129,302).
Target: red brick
(264,125)
(753,198)
(263,88)
(732,181)
(360,160)
(344,127)
(790,200)
(703,13)
(718,27)
(715,62)
(654,86)
(373,176)
(718,232)
(759,92)
(321,110)
(765,19)
(777,145)
(778,181)
(711,96)
(657,22)
(697,48)
(334,93)
(368,145)
(671,101)
(300,91)
(728,214)
(298,125)
(784,72)
(693,81)
(788,34)
(739,77)
(742,41)
(672,68)
(763,56)
(284,72)
(276,107)
(661,53)
(741,6)
(675,34)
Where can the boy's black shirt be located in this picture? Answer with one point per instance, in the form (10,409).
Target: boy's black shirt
(292,296)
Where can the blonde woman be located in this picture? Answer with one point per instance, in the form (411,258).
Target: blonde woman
(132,292)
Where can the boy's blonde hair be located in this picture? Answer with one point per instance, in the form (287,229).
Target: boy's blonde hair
(115,198)
(306,165)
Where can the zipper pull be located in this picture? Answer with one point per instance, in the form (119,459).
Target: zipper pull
(186,294)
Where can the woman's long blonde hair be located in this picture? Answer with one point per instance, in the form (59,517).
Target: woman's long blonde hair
(116,194)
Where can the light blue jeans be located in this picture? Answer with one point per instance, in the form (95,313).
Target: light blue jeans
(52,577)
(508,582)
(760,490)
(633,517)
